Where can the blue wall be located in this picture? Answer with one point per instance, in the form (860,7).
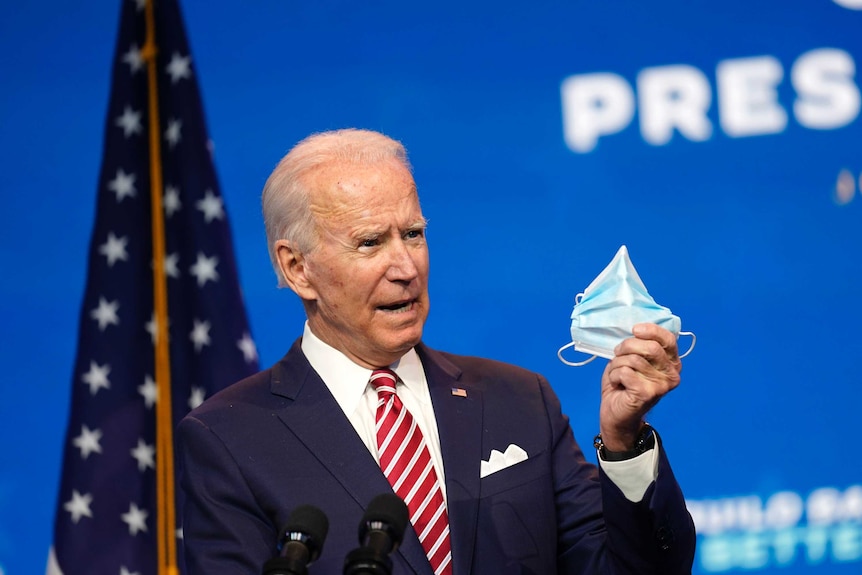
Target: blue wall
(715,155)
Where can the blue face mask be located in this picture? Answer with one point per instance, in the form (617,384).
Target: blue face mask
(610,306)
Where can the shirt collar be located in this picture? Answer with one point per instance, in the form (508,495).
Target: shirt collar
(347,381)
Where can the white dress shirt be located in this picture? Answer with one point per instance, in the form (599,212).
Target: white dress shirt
(348,383)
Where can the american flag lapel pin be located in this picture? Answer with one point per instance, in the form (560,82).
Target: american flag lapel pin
(458,392)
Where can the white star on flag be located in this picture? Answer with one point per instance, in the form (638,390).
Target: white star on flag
(179,67)
(149,391)
(106,313)
(97,377)
(134,59)
(200,334)
(88,441)
(123,185)
(136,519)
(172,134)
(125,571)
(152,325)
(197,397)
(247,347)
(212,207)
(145,455)
(130,122)
(79,506)
(152,328)
(205,269)
(172,269)
(172,200)
(114,249)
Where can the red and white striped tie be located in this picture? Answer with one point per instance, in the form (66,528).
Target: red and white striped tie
(406,462)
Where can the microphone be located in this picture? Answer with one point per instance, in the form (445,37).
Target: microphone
(301,542)
(380,533)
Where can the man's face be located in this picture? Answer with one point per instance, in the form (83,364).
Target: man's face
(368,274)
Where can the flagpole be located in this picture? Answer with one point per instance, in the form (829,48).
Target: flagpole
(167,553)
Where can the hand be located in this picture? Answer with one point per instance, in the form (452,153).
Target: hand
(645,369)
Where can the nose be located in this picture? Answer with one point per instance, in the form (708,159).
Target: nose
(403,265)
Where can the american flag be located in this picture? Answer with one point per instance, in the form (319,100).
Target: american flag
(107,508)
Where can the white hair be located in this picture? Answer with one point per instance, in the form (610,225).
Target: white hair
(285,200)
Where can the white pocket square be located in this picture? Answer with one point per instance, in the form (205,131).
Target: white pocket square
(498,461)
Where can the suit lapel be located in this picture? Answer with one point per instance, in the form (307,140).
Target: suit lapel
(459,425)
(315,418)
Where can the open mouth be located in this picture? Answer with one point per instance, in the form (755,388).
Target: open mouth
(397,307)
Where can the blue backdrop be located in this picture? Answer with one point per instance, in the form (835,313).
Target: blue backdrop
(719,141)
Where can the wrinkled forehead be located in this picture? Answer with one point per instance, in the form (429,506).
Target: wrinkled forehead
(380,185)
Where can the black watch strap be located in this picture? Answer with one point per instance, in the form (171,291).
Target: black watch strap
(644,442)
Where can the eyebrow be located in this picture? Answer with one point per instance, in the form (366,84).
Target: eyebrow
(370,230)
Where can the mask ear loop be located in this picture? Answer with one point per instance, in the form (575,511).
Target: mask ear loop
(691,347)
(578,298)
(573,364)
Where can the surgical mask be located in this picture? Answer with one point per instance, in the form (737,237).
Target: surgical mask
(611,305)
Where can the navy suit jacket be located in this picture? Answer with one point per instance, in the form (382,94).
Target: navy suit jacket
(276,440)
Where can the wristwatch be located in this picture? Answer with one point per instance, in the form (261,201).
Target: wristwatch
(643,443)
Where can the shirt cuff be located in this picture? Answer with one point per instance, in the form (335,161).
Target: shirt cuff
(633,476)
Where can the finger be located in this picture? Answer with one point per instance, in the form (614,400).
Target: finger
(663,378)
(634,391)
(633,361)
(623,376)
(651,331)
(650,349)
(634,370)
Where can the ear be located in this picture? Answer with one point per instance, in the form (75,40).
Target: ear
(293,266)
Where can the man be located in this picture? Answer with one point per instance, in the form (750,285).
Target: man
(323,426)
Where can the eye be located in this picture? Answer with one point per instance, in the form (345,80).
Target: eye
(369,242)
(414,234)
